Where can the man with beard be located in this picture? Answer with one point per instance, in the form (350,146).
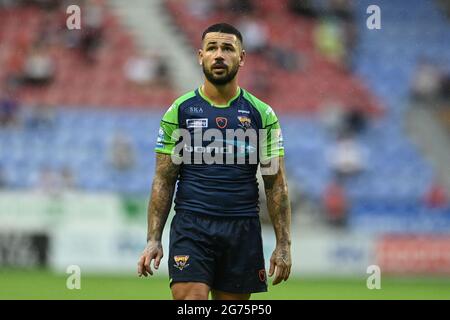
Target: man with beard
(215,236)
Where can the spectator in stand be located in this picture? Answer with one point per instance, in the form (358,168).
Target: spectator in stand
(426,82)
(256,36)
(346,157)
(255,33)
(338,120)
(329,40)
(355,121)
(39,67)
(92,30)
(343,12)
(147,70)
(335,203)
(122,152)
(436,197)
(336,35)
(332,114)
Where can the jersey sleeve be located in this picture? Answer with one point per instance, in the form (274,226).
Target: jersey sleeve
(167,138)
(272,140)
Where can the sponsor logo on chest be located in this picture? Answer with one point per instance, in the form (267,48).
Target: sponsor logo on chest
(195,109)
(197,123)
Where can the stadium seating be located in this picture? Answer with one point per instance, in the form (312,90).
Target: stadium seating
(387,57)
(80,140)
(77,83)
(293,90)
(397,174)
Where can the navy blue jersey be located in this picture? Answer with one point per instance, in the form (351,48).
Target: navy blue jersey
(220,148)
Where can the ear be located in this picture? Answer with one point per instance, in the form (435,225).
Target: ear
(242,58)
(200,56)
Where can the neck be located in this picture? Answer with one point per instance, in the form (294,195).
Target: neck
(222,94)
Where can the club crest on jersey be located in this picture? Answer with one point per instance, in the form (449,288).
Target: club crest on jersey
(181,262)
(221,122)
(244,122)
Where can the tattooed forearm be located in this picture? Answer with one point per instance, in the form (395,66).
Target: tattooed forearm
(278,204)
(161,196)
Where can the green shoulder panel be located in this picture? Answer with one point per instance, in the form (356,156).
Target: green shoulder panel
(171,114)
(167,137)
(272,144)
(268,116)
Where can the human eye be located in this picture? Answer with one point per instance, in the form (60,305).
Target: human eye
(229,48)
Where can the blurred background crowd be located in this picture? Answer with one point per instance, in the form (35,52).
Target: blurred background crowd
(365,113)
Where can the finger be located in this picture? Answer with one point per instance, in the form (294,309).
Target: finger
(278,275)
(148,260)
(144,271)
(288,272)
(285,274)
(140,265)
(272,268)
(158,259)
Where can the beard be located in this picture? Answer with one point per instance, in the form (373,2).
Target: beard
(227,77)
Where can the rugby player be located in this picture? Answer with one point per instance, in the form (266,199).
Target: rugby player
(215,236)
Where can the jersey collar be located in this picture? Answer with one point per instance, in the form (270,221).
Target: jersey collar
(204,97)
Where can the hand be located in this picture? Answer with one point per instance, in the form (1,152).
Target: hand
(280,263)
(153,250)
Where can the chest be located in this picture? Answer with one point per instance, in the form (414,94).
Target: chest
(204,116)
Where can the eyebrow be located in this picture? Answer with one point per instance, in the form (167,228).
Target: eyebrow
(225,43)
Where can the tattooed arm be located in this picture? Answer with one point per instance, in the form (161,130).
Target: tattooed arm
(279,208)
(158,210)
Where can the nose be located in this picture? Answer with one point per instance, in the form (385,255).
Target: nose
(219,55)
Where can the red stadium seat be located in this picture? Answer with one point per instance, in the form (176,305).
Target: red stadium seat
(75,83)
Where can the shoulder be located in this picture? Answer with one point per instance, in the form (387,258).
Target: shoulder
(184,98)
(255,102)
(264,109)
(171,114)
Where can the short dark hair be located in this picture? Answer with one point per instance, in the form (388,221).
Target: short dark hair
(223,28)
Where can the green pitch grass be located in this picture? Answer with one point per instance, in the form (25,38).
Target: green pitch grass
(34,284)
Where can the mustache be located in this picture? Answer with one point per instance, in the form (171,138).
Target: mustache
(219,64)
